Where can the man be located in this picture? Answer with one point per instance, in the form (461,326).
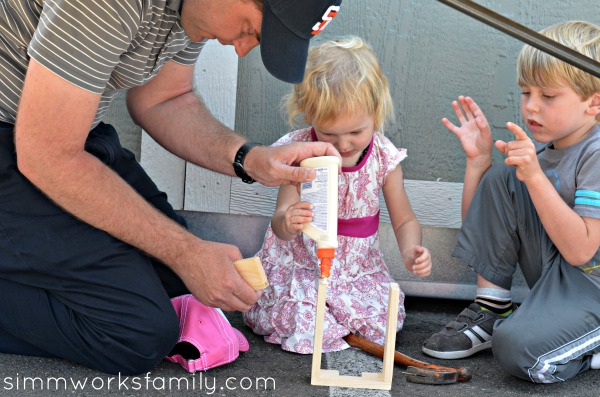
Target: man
(84,233)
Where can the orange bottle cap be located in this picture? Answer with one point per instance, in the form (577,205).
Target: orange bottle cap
(326,255)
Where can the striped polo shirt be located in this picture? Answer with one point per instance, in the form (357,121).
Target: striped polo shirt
(99,45)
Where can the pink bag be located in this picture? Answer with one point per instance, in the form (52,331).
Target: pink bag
(206,339)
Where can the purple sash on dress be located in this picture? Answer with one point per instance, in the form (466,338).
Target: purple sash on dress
(359,227)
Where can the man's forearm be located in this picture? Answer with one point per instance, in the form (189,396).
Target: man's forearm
(89,190)
(185,127)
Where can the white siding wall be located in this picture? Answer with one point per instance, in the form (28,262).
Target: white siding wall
(431,54)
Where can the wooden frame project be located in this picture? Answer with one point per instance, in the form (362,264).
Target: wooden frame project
(367,380)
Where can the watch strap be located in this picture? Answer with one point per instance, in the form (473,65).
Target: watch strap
(238,161)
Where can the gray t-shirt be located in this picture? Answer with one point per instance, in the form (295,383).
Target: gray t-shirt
(575,173)
(99,45)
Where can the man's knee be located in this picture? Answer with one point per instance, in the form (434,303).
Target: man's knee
(143,344)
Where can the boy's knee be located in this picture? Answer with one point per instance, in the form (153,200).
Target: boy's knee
(514,353)
(498,175)
(509,352)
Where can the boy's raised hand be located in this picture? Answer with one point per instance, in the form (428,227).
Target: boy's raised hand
(520,153)
(474,132)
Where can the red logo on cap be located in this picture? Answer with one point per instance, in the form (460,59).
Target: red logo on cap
(327,17)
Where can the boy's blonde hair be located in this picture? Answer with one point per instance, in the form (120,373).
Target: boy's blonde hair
(538,69)
(342,76)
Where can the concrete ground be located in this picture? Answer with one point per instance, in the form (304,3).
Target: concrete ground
(266,370)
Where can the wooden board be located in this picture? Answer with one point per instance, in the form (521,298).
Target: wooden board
(367,380)
(252,272)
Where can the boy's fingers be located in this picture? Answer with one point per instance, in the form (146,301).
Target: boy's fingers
(520,135)
(448,124)
(458,112)
(501,146)
(466,105)
(472,105)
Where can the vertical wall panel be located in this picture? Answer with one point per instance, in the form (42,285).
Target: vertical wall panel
(165,169)
(216,81)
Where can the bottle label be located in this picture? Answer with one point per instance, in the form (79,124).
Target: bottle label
(316,192)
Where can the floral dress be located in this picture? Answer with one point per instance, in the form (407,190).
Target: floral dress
(358,288)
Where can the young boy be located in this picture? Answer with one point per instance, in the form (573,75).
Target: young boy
(541,211)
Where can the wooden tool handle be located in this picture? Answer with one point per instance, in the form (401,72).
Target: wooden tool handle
(252,272)
(464,374)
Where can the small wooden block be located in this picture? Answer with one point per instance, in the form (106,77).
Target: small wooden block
(252,272)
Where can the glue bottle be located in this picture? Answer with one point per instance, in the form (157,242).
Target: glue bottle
(322,193)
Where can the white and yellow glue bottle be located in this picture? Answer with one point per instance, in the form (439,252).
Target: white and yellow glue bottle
(322,193)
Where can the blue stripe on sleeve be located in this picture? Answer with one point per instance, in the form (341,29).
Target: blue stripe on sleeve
(587,193)
(586,201)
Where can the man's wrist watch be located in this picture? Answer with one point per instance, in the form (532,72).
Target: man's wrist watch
(238,161)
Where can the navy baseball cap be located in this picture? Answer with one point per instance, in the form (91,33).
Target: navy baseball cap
(287,27)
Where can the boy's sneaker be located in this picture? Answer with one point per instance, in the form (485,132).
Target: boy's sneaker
(470,333)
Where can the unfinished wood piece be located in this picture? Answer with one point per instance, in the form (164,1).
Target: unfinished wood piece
(252,272)
(367,380)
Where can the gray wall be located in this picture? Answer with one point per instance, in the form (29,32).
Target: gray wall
(431,53)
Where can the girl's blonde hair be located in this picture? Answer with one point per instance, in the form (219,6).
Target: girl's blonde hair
(538,69)
(342,76)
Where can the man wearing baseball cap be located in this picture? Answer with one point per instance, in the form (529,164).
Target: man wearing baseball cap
(90,250)
(287,28)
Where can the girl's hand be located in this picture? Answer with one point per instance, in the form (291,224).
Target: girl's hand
(418,261)
(297,215)
(521,154)
(474,132)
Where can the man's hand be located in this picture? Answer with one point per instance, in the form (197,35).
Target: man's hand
(278,165)
(521,154)
(209,274)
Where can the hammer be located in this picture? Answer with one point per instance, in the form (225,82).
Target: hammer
(417,371)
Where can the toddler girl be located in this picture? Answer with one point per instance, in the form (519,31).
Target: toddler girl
(345,97)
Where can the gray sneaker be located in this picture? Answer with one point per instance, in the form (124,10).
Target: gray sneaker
(470,333)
